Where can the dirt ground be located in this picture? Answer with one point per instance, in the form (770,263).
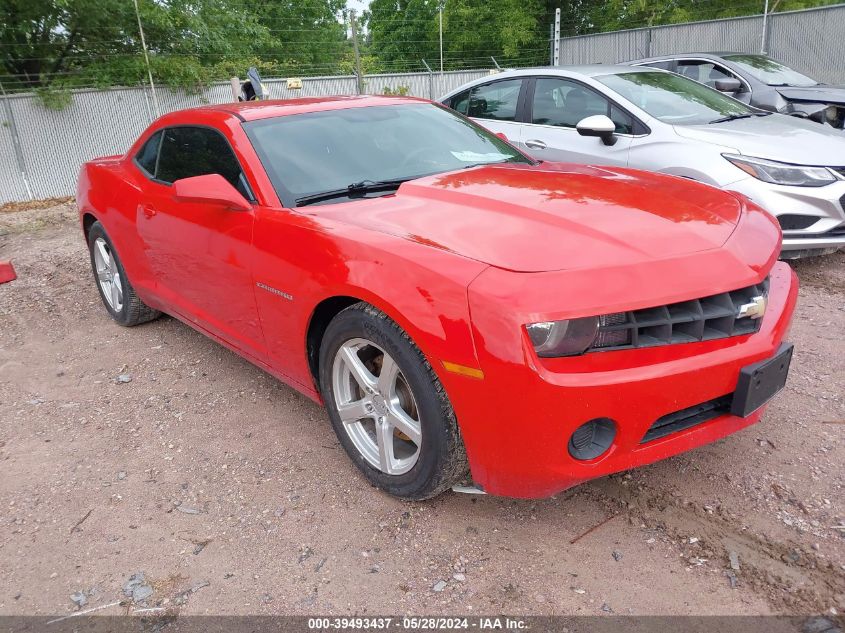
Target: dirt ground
(229,493)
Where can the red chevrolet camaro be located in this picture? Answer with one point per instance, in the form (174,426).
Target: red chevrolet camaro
(464,312)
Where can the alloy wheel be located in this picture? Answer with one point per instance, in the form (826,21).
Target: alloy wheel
(107,274)
(377,406)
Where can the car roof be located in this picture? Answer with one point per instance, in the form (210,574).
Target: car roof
(707,54)
(256,110)
(588,70)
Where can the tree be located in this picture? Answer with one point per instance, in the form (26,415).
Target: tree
(72,43)
(510,30)
(401,33)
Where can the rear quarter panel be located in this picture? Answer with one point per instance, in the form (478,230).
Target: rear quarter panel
(111,190)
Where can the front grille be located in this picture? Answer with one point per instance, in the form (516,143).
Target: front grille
(689,417)
(795,222)
(839,170)
(706,319)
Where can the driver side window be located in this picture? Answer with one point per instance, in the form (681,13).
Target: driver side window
(197,151)
(704,72)
(563,103)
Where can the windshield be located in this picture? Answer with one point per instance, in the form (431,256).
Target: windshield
(674,99)
(769,71)
(309,154)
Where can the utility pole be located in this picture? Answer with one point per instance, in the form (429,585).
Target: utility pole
(765,27)
(441,38)
(556,41)
(360,80)
(147,59)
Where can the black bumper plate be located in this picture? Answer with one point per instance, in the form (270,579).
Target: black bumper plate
(759,382)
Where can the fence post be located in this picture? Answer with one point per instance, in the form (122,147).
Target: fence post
(765,36)
(556,42)
(430,80)
(16,141)
(648,42)
(360,80)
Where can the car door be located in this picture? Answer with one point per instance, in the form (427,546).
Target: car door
(495,105)
(201,254)
(555,105)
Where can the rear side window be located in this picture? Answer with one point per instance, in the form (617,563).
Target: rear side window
(196,151)
(460,102)
(496,101)
(148,155)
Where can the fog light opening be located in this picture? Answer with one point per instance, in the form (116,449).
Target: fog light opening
(592,438)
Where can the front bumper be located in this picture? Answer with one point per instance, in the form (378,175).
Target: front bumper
(823,208)
(517,421)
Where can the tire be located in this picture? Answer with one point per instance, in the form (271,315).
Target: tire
(439,460)
(124,307)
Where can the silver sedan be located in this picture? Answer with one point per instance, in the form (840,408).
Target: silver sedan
(660,121)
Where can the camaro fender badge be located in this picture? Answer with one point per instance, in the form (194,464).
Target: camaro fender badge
(754,309)
(274,291)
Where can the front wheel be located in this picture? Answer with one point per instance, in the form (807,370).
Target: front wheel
(387,406)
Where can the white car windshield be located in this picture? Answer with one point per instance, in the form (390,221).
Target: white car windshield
(335,155)
(674,99)
(770,72)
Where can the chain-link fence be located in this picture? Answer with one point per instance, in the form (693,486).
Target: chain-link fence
(810,40)
(41,150)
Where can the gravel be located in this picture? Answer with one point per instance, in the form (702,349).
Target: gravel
(200,428)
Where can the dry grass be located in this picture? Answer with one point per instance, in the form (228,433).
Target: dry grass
(30,205)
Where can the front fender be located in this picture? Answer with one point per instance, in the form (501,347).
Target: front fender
(310,259)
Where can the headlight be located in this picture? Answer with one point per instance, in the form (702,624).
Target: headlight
(782,173)
(563,338)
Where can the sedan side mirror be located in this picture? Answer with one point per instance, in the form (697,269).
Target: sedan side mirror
(598,125)
(729,85)
(210,189)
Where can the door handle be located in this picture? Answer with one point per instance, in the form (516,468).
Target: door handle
(149,211)
(535,144)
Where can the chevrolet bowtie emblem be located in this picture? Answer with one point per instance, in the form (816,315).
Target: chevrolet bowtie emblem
(754,309)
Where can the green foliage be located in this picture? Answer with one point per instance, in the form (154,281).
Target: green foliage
(398,91)
(54,98)
(96,43)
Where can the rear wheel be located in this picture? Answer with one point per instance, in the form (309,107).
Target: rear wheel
(387,406)
(117,293)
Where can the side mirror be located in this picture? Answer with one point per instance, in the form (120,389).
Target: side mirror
(730,85)
(502,136)
(210,189)
(598,125)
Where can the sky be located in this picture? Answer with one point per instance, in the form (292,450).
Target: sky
(358,5)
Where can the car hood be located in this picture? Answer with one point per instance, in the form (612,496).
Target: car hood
(815,94)
(776,137)
(551,217)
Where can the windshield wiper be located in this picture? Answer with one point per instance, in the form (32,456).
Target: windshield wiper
(734,117)
(352,190)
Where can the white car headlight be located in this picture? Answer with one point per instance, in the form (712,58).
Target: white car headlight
(782,173)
